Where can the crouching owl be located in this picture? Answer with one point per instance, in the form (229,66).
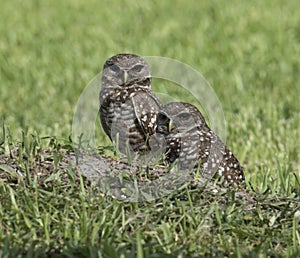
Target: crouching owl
(191,142)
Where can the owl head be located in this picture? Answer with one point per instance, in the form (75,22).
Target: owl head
(125,70)
(180,123)
(179,118)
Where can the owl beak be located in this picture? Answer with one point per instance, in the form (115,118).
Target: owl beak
(125,77)
(171,125)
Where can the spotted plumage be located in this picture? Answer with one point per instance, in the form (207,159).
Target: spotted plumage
(128,107)
(192,143)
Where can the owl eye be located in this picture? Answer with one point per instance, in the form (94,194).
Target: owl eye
(114,68)
(184,116)
(162,118)
(137,68)
(164,124)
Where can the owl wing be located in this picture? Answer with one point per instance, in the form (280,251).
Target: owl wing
(216,157)
(106,116)
(231,169)
(146,107)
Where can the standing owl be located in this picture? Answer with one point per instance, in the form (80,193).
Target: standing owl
(192,143)
(128,107)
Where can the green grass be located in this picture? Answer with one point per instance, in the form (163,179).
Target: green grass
(249,53)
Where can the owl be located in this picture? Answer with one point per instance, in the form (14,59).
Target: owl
(193,145)
(128,106)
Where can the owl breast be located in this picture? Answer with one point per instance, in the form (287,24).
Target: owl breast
(128,116)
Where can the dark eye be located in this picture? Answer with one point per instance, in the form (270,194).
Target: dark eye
(137,68)
(114,68)
(162,117)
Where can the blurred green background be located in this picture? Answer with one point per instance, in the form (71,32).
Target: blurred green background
(247,50)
